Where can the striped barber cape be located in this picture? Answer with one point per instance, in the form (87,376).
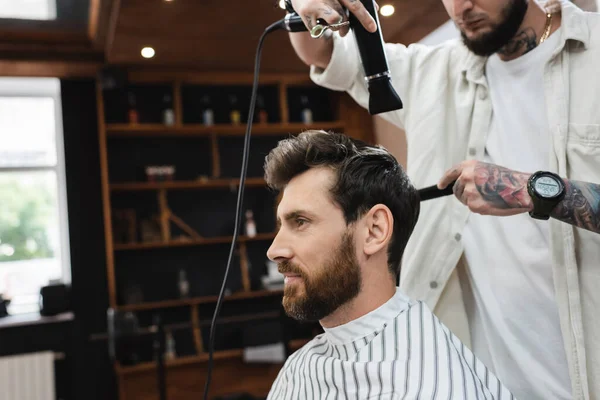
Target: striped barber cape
(398,351)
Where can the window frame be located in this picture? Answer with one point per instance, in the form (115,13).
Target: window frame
(47,88)
(52,13)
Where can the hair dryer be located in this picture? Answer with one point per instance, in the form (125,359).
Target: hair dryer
(382,95)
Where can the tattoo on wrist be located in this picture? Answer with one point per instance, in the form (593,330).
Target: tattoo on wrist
(580,206)
(502,187)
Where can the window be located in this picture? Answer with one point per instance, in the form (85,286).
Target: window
(28,9)
(34,246)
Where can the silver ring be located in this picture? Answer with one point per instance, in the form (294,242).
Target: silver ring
(318,30)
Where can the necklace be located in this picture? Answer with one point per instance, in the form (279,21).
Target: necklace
(547,29)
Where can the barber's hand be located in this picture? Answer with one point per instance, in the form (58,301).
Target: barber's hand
(489,189)
(332,12)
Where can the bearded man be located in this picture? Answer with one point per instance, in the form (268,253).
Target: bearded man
(345,216)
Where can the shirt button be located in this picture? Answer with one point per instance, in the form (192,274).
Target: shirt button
(433,284)
(457,237)
(483,94)
(472,151)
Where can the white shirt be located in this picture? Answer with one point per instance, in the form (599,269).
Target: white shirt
(398,351)
(446,115)
(511,305)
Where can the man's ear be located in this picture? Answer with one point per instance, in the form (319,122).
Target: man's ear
(379,223)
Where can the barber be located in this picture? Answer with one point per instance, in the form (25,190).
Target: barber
(509,112)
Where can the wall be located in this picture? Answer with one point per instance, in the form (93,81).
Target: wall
(93,377)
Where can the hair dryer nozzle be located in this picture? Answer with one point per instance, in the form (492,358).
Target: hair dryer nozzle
(383,96)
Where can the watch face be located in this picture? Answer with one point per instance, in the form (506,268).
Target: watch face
(547,186)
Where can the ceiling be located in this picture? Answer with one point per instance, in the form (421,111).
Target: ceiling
(198,34)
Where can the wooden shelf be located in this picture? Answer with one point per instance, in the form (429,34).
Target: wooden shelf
(201,358)
(198,300)
(180,361)
(193,242)
(158,130)
(186,185)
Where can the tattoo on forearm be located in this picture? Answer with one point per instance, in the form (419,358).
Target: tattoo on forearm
(523,42)
(501,186)
(580,206)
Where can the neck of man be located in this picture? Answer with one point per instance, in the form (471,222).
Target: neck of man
(530,32)
(378,287)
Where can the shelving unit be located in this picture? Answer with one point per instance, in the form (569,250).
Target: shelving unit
(158,130)
(185,185)
(223,355)
(201,300)
(192,213)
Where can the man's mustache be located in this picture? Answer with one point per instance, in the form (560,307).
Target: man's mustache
(472,17)
(288,267)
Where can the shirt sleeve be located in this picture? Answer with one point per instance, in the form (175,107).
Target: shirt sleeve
(345,73)
(416,70)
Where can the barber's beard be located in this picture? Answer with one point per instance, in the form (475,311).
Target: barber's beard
(331,285)
(501,34)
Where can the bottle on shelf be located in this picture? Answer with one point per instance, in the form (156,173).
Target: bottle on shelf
(261,116)
(170,347)
(250,224)
(168,113)
(208,115)
(307,115)
(184,285)
(132,113)
(234,113)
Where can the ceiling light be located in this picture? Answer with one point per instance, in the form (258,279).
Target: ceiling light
(148,52)
(387,10)
(282,4)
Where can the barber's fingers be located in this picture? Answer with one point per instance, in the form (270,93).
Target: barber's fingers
(311,11)
(459,189)
(450,176)
(358,9)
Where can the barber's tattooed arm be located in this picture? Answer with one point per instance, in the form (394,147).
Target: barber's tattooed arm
(490,189)
(580,206)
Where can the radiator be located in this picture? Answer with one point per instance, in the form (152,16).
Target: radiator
(27,376)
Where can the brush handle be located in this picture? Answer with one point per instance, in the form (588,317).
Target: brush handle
(432,192)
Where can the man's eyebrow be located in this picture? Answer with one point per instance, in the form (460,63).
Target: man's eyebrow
(292,215)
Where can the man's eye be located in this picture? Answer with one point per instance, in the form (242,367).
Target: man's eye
(300,221)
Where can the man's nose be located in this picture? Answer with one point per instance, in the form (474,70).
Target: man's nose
(461,6)
(280,250)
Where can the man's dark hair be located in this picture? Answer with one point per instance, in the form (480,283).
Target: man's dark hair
(366,175)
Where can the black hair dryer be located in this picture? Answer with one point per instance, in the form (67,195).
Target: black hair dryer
(382,95)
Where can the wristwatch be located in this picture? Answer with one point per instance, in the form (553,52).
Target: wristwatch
(546,190)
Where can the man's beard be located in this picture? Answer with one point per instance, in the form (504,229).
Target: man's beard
(329,287)
(489,43)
